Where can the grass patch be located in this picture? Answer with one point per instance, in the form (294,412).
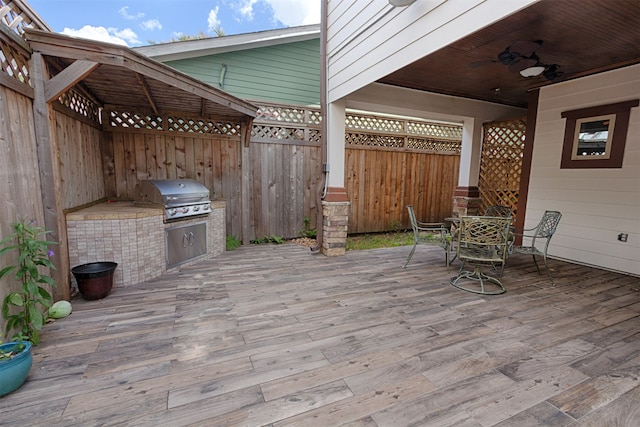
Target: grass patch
(232,243)
(379,240)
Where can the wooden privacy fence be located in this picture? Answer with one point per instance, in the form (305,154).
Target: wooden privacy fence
(394,162)
(391,163)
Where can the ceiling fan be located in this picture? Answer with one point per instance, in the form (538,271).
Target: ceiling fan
(520,57)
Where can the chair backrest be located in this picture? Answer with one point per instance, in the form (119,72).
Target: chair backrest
(548,224)
(483,238)
(429,230)
(483,230)
(497,210)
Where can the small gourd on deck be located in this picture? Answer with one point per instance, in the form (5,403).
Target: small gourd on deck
(60,309)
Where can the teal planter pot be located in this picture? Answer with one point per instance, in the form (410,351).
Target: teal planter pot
(14,371)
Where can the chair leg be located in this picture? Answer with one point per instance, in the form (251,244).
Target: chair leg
(536,263)
(410,256)
(478,276)
(546,265)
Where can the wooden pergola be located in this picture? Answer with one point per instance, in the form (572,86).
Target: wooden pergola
(94,78)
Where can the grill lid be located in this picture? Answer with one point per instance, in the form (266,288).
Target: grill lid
(171,192)
(180,198)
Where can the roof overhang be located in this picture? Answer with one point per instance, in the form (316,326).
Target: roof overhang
(116,76)
(216,45)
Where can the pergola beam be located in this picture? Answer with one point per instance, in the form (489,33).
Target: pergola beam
(147,92)
(67,78)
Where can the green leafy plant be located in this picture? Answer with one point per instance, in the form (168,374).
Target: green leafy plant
(268,239)
(232,243)
(23,310)
(307,231)
(15,350)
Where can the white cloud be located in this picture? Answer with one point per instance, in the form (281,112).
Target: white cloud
(245,9)
(296,12)
(124,12)
(124,37)
(127,34)
(291,13)
(151,24)
(213,22)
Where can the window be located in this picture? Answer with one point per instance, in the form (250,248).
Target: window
(595,137)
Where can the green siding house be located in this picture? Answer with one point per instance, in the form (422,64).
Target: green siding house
(281,66)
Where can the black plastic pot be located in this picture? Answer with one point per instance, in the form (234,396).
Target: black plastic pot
(95,279)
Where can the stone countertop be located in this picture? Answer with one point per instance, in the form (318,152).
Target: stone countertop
(124,210)
(114,210)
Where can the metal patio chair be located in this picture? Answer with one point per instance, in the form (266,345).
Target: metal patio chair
(504,212)
(428,233)
(482,242)
(498,210)
(543,231)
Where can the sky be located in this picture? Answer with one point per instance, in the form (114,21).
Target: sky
(144,22)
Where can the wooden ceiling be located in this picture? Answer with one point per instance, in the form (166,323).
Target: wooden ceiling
(116,77)
(582,37)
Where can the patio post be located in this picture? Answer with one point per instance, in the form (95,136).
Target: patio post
(466,198)
(335,201)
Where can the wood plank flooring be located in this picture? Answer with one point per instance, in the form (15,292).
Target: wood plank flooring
(273,335)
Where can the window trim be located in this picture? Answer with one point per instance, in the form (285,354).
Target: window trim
(617,138)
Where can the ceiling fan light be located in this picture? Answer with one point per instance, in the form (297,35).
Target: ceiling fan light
(401,3)
(534,71)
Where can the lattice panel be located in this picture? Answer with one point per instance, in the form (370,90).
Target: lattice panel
(281,114)
(361,129)
(372,123)
(14,63)
(315,136)
(374,140)
(434,144)
(501,164)
(14,18)
(133,120)
(315,117)
(277,132)
(81,105)
(435,130)
(181,124)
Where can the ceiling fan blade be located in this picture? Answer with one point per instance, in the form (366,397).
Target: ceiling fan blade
(525,47)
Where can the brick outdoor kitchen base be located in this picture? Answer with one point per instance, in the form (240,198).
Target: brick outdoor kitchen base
(134,237)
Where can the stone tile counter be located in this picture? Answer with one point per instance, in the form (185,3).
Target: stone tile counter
(134,237)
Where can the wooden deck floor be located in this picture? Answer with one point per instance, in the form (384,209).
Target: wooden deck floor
(276,336)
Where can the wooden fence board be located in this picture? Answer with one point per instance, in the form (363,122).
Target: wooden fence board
(380,183)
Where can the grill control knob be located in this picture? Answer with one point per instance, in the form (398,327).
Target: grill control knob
(196,208)
(173,211)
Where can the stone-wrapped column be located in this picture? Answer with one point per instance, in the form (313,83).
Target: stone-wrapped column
(466,201)
(335,220)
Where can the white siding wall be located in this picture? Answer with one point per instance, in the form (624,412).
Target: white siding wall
(368,39)
(597,204)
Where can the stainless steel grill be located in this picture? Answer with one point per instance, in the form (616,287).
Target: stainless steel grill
(180,198)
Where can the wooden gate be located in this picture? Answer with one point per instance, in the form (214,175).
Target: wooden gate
(501,163)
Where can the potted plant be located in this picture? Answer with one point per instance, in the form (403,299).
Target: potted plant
(23,310)
(15,362)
